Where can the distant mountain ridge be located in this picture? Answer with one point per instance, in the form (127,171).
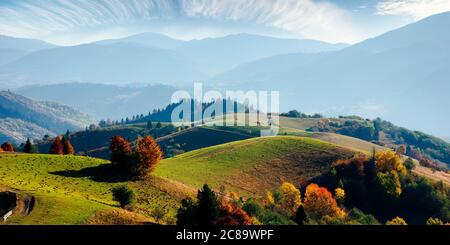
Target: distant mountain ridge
(22,118)
(401,75)
(148,58)
(12,48)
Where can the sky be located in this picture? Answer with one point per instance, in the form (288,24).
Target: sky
(70,22)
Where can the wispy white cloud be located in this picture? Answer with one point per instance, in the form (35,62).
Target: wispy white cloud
(415,9)
(304,18)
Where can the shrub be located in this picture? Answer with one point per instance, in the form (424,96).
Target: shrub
(396,221)
(434,221)
(7,147)
(124,195)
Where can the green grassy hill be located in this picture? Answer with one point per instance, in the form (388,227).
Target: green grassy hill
(255,165)
(72,190)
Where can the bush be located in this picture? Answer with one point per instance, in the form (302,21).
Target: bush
(396,221)
(124,195)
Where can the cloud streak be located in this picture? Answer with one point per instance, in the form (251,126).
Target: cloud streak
(303,18)
(414,9)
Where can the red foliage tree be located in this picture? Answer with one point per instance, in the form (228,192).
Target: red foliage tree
(147,155)
(67,147)
(57,147)
(232,215)
(7,147)
(120,152)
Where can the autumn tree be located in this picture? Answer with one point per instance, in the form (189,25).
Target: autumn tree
(320,202)
(230,214)
(291,198)
(29,147)
(146,156)
(120,152)
(67,146)
(7,146)
(1,150)
(339,194)
(57,147)
(387,161)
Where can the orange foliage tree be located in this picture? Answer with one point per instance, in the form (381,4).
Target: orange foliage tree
(147,155)
(7,147)
(320,202)
(67,146)
(57,147)
(120,151)
(230,214)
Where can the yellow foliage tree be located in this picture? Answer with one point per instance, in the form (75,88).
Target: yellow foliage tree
(339,193)
(396,221)
(387,161)
(291,197)
(269,201)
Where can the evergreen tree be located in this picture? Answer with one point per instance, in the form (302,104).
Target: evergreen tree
(29,147)
(208,206)
(300,216)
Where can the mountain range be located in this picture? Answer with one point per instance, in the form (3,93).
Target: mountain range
(401,76)
(22,118)
(148,58)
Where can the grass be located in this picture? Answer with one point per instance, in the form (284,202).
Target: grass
(254,165)
(68,191)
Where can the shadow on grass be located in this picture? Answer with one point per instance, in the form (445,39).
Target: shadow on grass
(103,173)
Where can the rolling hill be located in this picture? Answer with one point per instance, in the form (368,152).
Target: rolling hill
(22,118)
(253,166)
(73,190)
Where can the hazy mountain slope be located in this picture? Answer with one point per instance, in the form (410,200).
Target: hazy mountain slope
(14,48)
(16,130)
(25,44)
(103,101)
(45,117)
(150,39)
(401,76)
(8,54)
(221,54)
(114,63)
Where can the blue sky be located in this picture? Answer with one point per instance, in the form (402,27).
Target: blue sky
(68,22)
